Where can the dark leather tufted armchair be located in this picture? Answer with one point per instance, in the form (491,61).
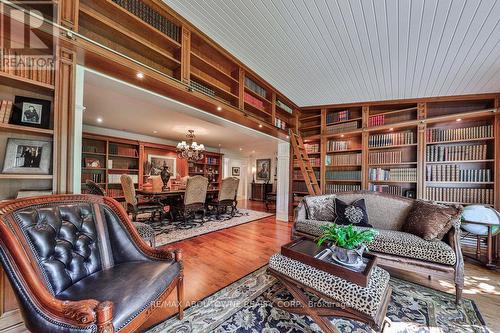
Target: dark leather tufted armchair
(77,264)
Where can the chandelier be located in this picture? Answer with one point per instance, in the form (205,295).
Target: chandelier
(190,149)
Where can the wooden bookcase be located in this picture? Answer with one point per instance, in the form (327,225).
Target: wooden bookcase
(444,149)
(211,164)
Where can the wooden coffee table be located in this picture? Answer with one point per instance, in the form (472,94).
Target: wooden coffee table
(302,257)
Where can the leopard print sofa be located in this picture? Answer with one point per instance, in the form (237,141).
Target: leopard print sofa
(396,243)
(366,300)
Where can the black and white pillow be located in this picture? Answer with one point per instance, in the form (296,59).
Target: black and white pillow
(354,213)
(320,207)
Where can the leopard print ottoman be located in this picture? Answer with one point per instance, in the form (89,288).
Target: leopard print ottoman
(363,299)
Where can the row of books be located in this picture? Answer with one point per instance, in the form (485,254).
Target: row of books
(333,188)
(376,120)
(212,160)
(280,123)
(119,163)
(201,87)
(312,147)
(453,173)
(391,139)
(299,187)
(343,127)
(461,195)
(337,145)
(97,177)
(253,101)
(389,189)
(5,111)
(92,149)
(297,175)
(114,178)
(151,17)
(453,134)
(115,149)
(114,192)
(37,68)
(396,174)
(343,159)
(385,157)
(335,117)
(437,153)
(283,106)
(250,84)
(343,175)
(315,162)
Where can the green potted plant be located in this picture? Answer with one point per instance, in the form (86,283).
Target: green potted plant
(347,243)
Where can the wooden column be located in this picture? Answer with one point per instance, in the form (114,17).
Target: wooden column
(64,106)
(421,128)
(185,54)
(365,113)
(241,89)
(322,147)
(68,14)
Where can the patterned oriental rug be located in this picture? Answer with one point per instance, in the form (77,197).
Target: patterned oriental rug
(167,232)
(242,308)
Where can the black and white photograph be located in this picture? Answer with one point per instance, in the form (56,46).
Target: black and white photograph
(263,169)
(27,156)
(32,112)
(235,171)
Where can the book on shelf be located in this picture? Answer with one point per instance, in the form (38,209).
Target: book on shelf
(391,139)
(212,160)
(253,101)
(461,195)
(279,123)
(94,175)
(343,127)
(315,162)
(333,188)
(26,66)
(283,106)
(393,174)
(299,187)
(5,111)
(114,192)
(250,84)
(440,153)
(343,159)
(389,189)
(385,157)
(297,175)
(343,175)
(115,149)
(377,120)
(333,145)
(454,134)
(115,178)
(337,116)
(312,147)
(201,87)
(455,173)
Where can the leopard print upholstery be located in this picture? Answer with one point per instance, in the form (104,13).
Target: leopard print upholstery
(363,299)
(395,243)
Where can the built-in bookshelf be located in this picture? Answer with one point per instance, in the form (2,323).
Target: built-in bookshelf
(442,149)
(210,166)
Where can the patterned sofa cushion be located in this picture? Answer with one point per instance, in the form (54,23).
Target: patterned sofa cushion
(320,207)
(364,299)
(396,243)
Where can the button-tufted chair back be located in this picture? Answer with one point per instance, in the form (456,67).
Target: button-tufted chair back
(64,241)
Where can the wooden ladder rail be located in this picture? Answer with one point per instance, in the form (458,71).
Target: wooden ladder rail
(304,164)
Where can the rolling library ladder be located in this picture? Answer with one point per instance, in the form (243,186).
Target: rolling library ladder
(304,164)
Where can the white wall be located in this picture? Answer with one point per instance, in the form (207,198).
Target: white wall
(232,160)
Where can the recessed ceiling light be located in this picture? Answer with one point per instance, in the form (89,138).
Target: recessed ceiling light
(219,108)
(260,125)
(341,135)
(287,137)
(241,149)
(140,75)
(459,119)
(155,132)
(253,151)
(99,120)
(220,145)
(391,129)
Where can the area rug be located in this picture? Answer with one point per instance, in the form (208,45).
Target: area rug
(167,232)
(242,307)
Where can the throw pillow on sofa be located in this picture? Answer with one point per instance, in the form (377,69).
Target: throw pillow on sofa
(320,207)
(431,221)
(354,213)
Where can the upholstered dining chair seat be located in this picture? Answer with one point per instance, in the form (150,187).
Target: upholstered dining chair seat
(116,285)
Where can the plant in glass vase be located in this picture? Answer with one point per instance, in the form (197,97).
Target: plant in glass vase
(347,242)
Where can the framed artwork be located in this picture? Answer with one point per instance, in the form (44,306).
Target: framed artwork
(33,112)
(27,156)
(92,162)
(263,171)
(158,161)
(235,171)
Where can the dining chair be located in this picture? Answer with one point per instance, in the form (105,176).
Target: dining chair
(227,196)
(134,206)
(145,231)
(194,199)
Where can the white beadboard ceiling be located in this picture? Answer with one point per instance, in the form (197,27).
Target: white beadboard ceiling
(339,51)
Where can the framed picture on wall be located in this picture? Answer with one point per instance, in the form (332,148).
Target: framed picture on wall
(263,171)
(235,171)
(32,112)
(158,161)
(27,156)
